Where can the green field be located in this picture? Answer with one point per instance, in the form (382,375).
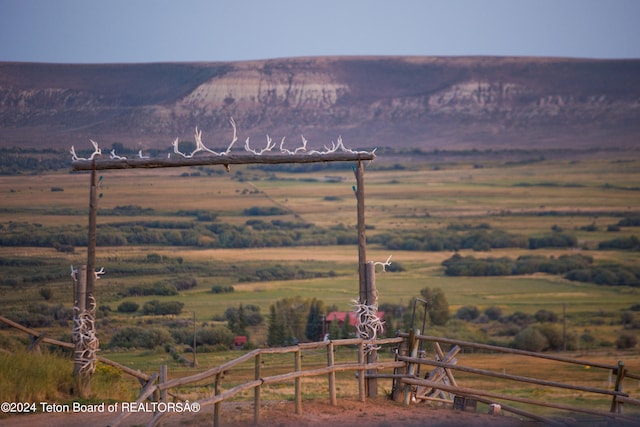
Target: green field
(526,194)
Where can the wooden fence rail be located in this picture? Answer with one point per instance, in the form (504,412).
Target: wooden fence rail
(507,350)
(38,335)
(406,376)
(361,366)
(617,395)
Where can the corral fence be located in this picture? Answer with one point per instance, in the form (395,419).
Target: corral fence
(440,379)
(400,360)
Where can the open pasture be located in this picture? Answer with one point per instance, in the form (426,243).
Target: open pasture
(524,196)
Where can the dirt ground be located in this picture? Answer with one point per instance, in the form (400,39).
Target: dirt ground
(379,412)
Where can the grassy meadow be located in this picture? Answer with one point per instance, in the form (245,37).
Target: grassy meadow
(524,193)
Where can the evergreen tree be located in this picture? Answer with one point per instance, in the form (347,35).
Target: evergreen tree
(276,335)
(294,312)
(334,330)
(314,328)
(236,319)
(287,321)
(347,329)
(389,330)
(242,321)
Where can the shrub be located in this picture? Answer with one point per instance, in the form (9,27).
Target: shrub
(154,258)
(545,316)
(128,307)
(467,312)
(556,240)
(264,211)
(630,221)
(46,293)
(64,248)
(184,284)
(394,267)
(161,308)
(219,289)
(626,340)
(627,318)
(631,243)
(530,339)
(141,338)
(217,335)
(553,336)
(519,318)
(493,312)
(162,289)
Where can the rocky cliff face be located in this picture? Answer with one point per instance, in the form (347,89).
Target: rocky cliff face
(421,102)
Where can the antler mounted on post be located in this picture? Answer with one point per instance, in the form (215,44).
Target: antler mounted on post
(96,152)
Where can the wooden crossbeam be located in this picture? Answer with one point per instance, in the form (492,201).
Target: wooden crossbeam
(439,375)
(225,160)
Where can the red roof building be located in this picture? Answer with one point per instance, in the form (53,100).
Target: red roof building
(239,341)
(340,316)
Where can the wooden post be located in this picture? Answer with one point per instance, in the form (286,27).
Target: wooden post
(82,387)
(217,405)
(163,379)
(332,375)
(362,240)
(298,388)
(84,299)
(81,288)
(195,359)
(372,299)
(35,343)
(361,384)
(413,346)
(256,391)
(564,327)
(91,247)
(397,389)
(615,405)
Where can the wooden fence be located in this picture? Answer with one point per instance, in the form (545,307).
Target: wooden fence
(404,363)
(216,375)
(617,395)
(41,338)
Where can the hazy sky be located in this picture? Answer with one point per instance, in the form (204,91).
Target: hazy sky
(106,31)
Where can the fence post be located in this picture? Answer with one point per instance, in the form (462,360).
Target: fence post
(81,378)
(35,343)
(362,240)
(615,405)
(361,388)
(256,391)
(397,388)
(216,406)
(372,299)
(332,375)
(163,379)
(298,388)
(412,366)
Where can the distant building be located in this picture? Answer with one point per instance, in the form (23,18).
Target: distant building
(340,316)
(239,342)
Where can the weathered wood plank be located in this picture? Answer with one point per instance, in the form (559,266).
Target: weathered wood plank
(225,160)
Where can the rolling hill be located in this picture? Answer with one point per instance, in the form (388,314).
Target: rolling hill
(405,102)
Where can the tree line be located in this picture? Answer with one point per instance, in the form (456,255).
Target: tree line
(274,233)
(577,267)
